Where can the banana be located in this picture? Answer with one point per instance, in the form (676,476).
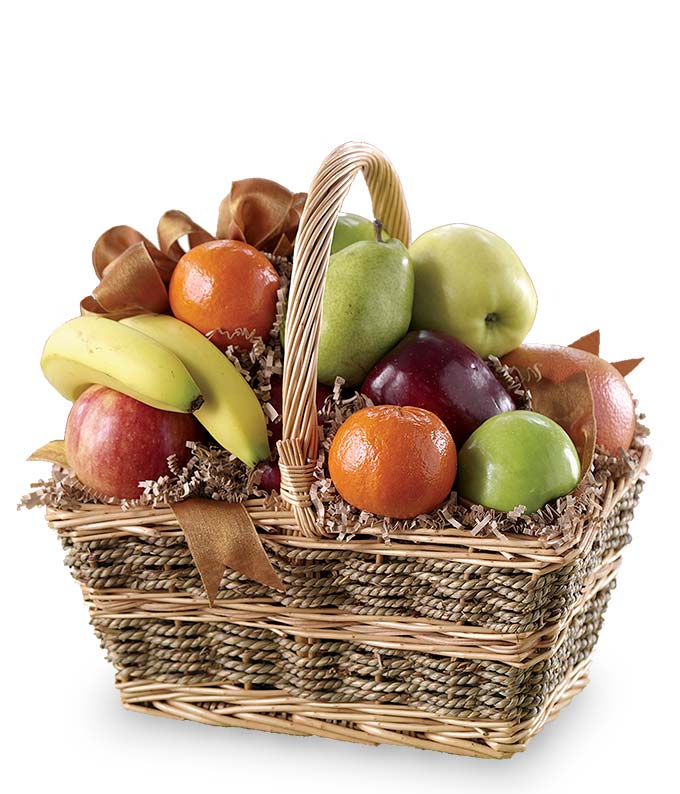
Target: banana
(93,349)
(231,413)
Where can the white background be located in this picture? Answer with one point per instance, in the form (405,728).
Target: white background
(552,124)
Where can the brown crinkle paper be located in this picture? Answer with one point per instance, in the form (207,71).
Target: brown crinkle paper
(512,383)
(214,473)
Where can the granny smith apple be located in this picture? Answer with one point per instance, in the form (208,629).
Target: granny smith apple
(351,229)
(367,308)
(471,284)
(517,458)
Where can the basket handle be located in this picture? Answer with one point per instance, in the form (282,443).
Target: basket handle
(299,445)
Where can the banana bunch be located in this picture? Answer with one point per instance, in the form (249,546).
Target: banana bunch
(93,349)
(165,363)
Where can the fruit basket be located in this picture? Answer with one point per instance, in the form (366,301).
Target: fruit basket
(458,635)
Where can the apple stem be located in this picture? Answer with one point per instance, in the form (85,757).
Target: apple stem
(377,230)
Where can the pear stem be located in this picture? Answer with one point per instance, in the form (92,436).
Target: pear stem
(377,230)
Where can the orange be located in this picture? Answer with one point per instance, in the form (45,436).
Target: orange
(394,461)
(613,402)
(227,290)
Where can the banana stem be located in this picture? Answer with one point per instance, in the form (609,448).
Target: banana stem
(196,404)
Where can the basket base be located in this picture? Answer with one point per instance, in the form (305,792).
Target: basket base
(365,723)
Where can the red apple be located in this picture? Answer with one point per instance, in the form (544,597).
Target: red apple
(434,371)
(113,442)
(271,476)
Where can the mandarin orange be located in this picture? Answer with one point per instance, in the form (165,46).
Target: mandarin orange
(394,461)
(227,290)
(613,402)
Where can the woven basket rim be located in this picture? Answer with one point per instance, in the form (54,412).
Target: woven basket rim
(277,525)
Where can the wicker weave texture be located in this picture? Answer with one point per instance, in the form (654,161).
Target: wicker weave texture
(190,652)
(366,723)
(490,710)
(476,643)
(361,583)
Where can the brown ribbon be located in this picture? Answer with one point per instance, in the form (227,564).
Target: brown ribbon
(262,213)
(134,273)
(220,535)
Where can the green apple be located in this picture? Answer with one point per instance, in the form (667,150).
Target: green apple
(517,458)
(351,229)
(471,284)
(367,308)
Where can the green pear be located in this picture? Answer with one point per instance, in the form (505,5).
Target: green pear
(351,229)
(472,285)
(367,308)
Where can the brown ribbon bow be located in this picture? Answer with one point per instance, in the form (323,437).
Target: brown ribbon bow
(262,213)
(134,273)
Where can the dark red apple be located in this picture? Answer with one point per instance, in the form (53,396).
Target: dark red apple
(431,370)
(276,400)
(271,476)
(113,442)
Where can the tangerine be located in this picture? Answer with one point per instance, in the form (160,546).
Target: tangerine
(394,461)
(613,402)
(227,290)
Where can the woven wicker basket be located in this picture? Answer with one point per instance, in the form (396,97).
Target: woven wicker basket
(438,639)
